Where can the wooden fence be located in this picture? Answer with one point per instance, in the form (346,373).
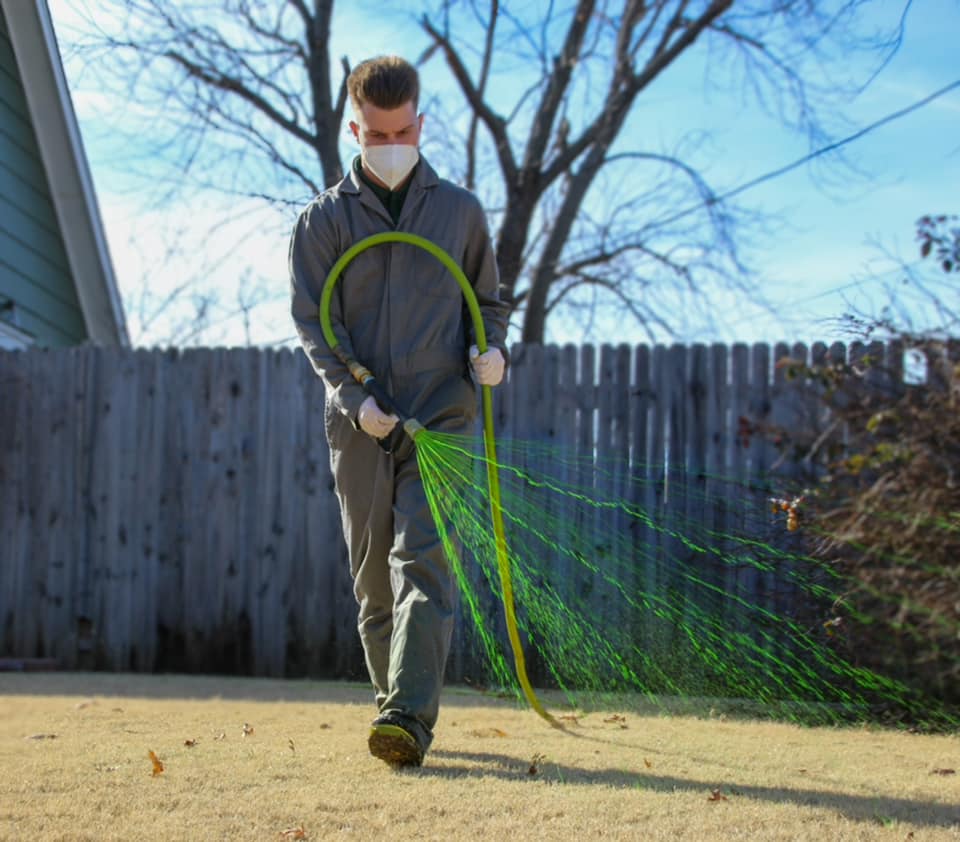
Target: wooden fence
(164,510)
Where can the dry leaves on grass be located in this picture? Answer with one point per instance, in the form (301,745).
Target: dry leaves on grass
(617,719)
(716,795)
(535,762)
(157,762)
(191,743)
(943,772)
(41,737)
(293,833)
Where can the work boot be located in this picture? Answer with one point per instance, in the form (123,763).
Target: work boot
(393,743)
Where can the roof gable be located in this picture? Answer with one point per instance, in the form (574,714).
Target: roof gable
(61,150)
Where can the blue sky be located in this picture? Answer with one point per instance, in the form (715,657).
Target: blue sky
(833,246)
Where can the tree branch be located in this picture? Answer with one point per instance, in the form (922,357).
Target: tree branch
(481,88)
(563,65)
(494,122)
(625,86)
(235,86)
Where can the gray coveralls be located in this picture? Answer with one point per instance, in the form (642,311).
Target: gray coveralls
(397,310)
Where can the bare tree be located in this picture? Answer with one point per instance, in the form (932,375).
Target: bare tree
(573,215)
(241,91)
(588,209)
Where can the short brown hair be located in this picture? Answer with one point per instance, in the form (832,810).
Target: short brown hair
(385,81)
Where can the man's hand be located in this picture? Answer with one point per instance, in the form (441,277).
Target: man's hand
(488,367)
(373,420)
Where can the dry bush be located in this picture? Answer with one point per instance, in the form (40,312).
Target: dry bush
(886,516)
(884,510)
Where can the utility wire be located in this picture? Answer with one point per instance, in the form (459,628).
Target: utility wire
(788,305)
(736,191)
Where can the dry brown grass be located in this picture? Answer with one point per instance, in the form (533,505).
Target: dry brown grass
(74,765)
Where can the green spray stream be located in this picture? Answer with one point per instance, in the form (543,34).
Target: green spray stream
(414,429)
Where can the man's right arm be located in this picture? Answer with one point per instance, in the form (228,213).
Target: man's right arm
(313,251)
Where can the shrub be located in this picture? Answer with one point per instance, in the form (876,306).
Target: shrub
(884,509)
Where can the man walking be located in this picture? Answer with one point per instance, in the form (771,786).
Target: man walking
(397,310)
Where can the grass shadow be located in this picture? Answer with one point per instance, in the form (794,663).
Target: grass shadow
(863,808)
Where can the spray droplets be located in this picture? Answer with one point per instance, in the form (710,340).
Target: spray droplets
(623,588)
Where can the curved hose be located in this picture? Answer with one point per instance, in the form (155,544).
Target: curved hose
(493,478)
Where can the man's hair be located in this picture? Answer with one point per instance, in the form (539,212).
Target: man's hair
(384,81)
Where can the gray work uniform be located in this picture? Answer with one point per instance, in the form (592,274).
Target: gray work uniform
(397,310)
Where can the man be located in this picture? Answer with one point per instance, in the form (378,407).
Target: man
(398,311)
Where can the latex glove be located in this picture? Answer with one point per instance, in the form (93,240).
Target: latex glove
(488,367)
(373,420)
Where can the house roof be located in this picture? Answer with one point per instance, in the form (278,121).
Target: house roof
(61,148)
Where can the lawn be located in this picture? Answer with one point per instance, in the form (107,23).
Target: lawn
(251,759)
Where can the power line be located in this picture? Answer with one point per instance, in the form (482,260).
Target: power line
(889,118)
(796,302)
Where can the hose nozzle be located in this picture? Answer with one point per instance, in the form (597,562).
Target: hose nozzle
(412,428)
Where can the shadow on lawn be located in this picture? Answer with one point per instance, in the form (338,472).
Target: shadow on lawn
(184,687)
(855,807)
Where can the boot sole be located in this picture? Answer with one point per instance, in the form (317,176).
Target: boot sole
(393,745)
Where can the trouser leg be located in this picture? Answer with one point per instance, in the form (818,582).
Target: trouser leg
(402,580)
(364,481)
(423,615)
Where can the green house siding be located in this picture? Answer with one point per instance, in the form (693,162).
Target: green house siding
(34,270)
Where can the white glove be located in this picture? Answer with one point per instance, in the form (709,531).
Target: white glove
(373,420)
(488,367)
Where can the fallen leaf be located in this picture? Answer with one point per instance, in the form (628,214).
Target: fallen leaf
(324,726)
(247,729)
(157,763)
(647,763)
(716,795)
(220,736)
(294,833)
(943,772)
(487,732)
(617,719)
(41,737)
(291,746)
(191,743)
(535,762)
(85,704)
(569,717)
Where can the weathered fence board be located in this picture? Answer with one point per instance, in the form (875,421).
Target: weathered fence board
(164,510)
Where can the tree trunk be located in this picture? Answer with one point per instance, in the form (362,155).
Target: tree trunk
(326,118)
(511,240)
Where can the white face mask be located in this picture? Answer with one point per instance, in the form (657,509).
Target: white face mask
(391,163)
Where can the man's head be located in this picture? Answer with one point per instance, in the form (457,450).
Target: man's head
(386,82)
(385,92)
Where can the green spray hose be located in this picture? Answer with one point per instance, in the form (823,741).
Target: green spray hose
(413,427)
